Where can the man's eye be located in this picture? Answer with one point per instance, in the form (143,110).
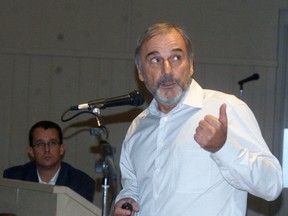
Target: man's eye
(53,142)
(154,60)
(40,144)
(176,58)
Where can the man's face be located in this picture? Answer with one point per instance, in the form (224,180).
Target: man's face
(166,69)
(47,150)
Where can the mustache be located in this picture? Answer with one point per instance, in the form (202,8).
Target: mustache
(166,78)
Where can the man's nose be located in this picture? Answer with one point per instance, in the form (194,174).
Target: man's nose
(167,68)
(47,147)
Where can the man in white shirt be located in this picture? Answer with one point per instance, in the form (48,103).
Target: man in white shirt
(192,151)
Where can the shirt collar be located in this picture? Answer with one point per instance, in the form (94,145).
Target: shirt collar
(52,180)
(193,96)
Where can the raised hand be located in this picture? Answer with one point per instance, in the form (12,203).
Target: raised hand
(211,133)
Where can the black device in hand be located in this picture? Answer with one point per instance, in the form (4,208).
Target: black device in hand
(127,206)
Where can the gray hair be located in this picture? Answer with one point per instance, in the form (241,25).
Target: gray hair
(159,28)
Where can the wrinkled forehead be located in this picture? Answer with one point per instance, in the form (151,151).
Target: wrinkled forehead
(164,42)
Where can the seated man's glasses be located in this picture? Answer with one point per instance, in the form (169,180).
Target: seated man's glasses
(42,145)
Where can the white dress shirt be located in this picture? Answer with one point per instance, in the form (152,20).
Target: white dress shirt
(169,174)
(52,181)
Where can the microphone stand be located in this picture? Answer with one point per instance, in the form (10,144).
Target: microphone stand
(106,166)
(241,91)
(255,76)
(109,171)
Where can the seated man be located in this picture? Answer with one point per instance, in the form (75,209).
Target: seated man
(47,148)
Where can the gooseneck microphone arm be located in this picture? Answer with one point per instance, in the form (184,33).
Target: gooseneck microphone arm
(255,76)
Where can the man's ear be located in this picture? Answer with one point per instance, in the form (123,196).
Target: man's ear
(191,70)
(30,152)
(140,75)
(62,149)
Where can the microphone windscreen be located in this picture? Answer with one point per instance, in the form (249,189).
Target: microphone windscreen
(137,98)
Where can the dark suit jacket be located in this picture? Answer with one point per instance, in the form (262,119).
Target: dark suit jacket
(68,176)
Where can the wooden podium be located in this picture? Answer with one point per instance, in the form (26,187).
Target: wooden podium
(23,198)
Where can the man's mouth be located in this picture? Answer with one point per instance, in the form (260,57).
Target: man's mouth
(47,157)
(168,84)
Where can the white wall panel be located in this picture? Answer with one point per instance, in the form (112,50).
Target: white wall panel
(19,109)
(6,74)
(77,25)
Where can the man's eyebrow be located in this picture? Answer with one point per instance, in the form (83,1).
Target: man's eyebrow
(41,139)
(152,53)
(177,50)
(156,52)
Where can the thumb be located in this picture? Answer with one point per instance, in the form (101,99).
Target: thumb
(222,114)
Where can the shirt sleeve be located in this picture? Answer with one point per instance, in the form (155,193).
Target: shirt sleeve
(245,160)
(128,176)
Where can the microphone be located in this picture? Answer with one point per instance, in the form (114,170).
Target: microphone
(255,76)
(127,206)
(134,98)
